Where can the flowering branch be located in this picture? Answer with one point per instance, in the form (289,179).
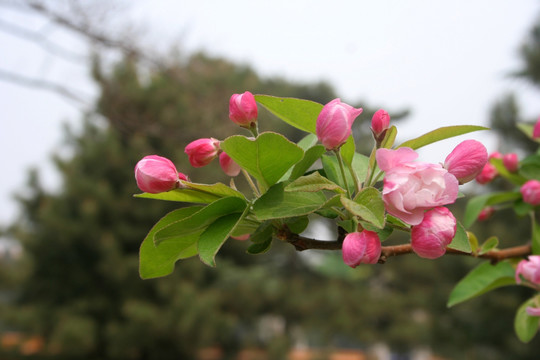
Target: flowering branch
(302,243)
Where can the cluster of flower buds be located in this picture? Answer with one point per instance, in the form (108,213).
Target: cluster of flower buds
(155,174)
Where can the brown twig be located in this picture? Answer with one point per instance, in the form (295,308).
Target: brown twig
(302,243)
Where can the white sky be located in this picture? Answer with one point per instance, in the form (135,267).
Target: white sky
(445,60)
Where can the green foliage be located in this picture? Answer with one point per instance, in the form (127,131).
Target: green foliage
(440,134)
(525,325)
(461,240)
(483,278)
(259,156)
(299,113)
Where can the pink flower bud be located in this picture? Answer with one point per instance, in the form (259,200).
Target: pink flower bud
(486,213)
(536,130)
(201,152)
(155,174)
(430,238)
(529,270)
(488,173)
(380,122)
(243,109)
(334,123)
(242,237)
(361,248)
(531,192)
(467,160)
(533,311)
(495,155)
(511,162)
(228,165)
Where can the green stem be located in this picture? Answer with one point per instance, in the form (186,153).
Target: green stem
(254,129)
(371,167)
(251,184)
(341,167)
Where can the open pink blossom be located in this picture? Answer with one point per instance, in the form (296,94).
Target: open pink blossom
(228,165)
(531,192)
(202,151)
(243,109)
(529,270)
(410,187)
(430,238)
(334,123)
(155,174)
(467,160)
(361,248)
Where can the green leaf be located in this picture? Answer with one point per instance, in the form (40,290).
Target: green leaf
(501,169)
(277,203)
(347,151)
(195,193)
(302,114)
(440,134)
(260,247)
(159,261)
(476,204)
(263,233)
(525,325)
(297,224)
(367,205)
(199,220)
(482,279)
(489,245)
(521,208)
(473,240)
(311,155)
(389,138)
(312,183)
(215,235)
(267,158)
(535,237)
(308,141)
(527,129)
(333,173)
(530,167)
(461,240)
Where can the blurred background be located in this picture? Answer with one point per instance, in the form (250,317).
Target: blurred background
(87,88)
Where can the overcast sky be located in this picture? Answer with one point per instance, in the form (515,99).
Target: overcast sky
(447,61)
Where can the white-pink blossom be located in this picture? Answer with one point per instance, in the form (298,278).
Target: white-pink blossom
(411,187)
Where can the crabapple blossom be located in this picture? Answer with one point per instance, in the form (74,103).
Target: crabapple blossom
(511,162)
(467,160)
(529,270)
(228,165)
(243,109)
(380,122)
(334,123)
(361,248)
(410,188)
(155,174)
(202,151)
(488,173)
(430,238)
(531,192)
